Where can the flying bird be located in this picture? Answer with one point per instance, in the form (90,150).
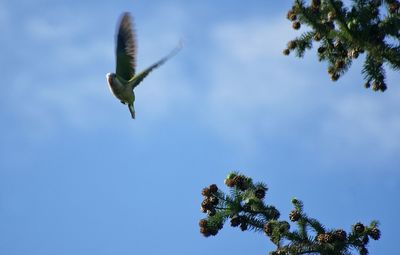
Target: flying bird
(125,80)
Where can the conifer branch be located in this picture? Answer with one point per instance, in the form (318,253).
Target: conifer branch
(344,34)
(245,208)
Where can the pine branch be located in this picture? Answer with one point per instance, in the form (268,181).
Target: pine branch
(245,208)
(345,34)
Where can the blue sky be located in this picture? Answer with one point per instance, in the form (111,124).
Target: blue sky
(78,176)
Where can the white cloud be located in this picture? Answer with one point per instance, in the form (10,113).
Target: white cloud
(252,88)
(255,39)
(67,87)
(256,93)
(44,29)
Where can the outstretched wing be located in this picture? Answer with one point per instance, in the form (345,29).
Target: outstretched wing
(126,48)
(139,78)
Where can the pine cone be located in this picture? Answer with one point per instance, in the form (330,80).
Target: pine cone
(206,204)
(358,228)
(286,52)
(393,7)
(339,64)
(328,238)
(321,238)
(203,210)
(294,215)
(213,231)
(268,228)
(213,188)
(211,212)
(230,183)
(243,226)
(331,70)
(203,223)
(353,54)
(363,251)
(240,182)
(296,25)
(236,220)
(229,180)
(292,45)
(214,200)
(374,233)
(375,86)
(274,213)
(317,37)
(339,235)
(331,16)
(382,87)
(335,76)
(321,50)
(260,193)
(206,192)
(316,2)
(205,232)
(289,14)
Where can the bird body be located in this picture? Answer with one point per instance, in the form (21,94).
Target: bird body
(123,82)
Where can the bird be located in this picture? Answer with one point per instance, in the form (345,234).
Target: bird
(125,79)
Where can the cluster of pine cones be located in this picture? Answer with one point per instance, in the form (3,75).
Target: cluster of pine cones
(208,205)
(210,200)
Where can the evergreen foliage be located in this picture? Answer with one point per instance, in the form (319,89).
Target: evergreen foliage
(244,207)
(368,26)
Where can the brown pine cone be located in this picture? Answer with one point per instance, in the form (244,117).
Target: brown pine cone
(243,226)
(286,52)
(321,238)
(214,200)
(203,223)
(339,64)
(268,228)
(213,188)
(211,212)
(236,220)
(294,215)
(206,192)
(393,7)
(374,233)
(339,235)
(260,193)
(213,232)
(206,204)
(296,25)
(291,45)
(230,183)
(205,232)
(363,251)
(358,228)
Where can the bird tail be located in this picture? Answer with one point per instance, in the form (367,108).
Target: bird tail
(132,110)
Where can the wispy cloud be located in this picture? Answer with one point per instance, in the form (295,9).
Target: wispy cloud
(257,95)
(67,87)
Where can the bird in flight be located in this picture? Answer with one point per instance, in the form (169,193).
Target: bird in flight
(124,80)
